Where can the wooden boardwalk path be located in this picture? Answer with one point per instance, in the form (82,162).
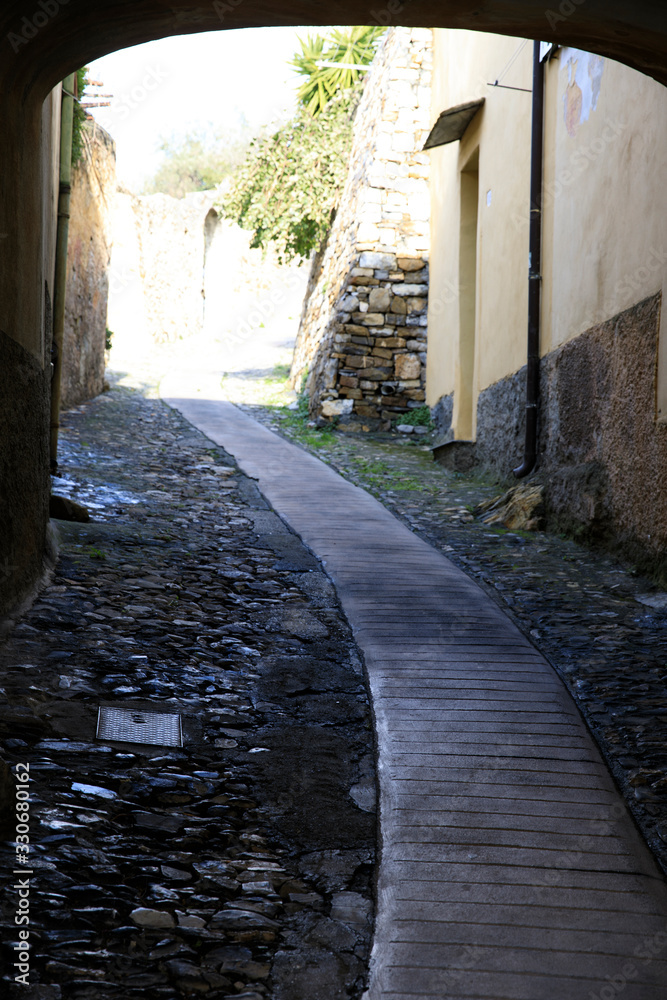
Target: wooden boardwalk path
(510,869)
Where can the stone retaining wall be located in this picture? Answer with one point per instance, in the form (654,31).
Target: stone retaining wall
(181,270)
(88,258)
(362,339)
(171,243)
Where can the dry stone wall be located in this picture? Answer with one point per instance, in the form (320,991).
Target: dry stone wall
(156,293)
(88,257)
(180,270)
(362,338)
(170,233)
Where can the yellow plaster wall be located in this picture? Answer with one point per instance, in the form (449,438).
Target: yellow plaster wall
(605,184)
(443,321)
(605,212)
(464,63)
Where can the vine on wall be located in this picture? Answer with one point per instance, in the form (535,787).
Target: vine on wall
(288,187)
(80,116)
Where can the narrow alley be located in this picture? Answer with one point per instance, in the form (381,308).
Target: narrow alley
(333,464)
(473,727)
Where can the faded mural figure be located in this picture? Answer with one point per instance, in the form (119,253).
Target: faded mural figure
(583,90)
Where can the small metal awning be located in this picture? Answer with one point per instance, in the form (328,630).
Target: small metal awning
(451,124)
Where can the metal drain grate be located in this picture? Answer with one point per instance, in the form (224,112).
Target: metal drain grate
(124,725)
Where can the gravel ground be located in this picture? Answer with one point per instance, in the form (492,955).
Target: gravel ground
(242,863)
(601,625)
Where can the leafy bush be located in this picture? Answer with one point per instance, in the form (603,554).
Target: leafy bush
(287,189)
(419,417)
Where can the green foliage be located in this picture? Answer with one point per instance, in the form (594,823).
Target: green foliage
(287,190)
(378,474)
(303,404)
(419,417)
(79,116)
(108,337)
(288,187)
(349,47)
(295,424)
(197,161)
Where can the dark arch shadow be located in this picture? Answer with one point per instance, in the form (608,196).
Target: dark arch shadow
(43,42)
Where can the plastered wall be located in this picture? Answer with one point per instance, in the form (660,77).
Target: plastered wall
(464,64)
(605,210)
(604,242)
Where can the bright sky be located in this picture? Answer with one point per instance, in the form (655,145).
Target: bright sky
(176,84)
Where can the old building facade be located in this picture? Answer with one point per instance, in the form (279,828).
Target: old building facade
(88,258)
(603,365)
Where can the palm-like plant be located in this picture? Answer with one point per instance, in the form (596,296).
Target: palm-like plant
(330,63)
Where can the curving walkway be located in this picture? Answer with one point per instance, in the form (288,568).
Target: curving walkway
(510,868)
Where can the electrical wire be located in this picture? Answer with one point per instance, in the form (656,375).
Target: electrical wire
(512,60)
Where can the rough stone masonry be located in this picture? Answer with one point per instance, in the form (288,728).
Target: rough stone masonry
(362,339)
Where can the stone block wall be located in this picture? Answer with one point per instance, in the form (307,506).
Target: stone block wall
(88,258)
(179,270)
(362,338)
(171,248)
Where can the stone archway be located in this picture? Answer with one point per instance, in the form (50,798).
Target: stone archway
(43,40)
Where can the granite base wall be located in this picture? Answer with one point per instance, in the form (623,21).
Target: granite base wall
(602,454)
(442,414)
(501,423)
(602,449)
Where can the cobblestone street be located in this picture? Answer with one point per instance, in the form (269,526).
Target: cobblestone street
(242,863)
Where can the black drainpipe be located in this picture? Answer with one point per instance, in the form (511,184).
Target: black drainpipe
(534,269)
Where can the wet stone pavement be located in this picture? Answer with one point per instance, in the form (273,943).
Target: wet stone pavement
(242,863)
(600,624)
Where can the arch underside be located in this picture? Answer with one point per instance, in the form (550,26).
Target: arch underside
(77,31)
